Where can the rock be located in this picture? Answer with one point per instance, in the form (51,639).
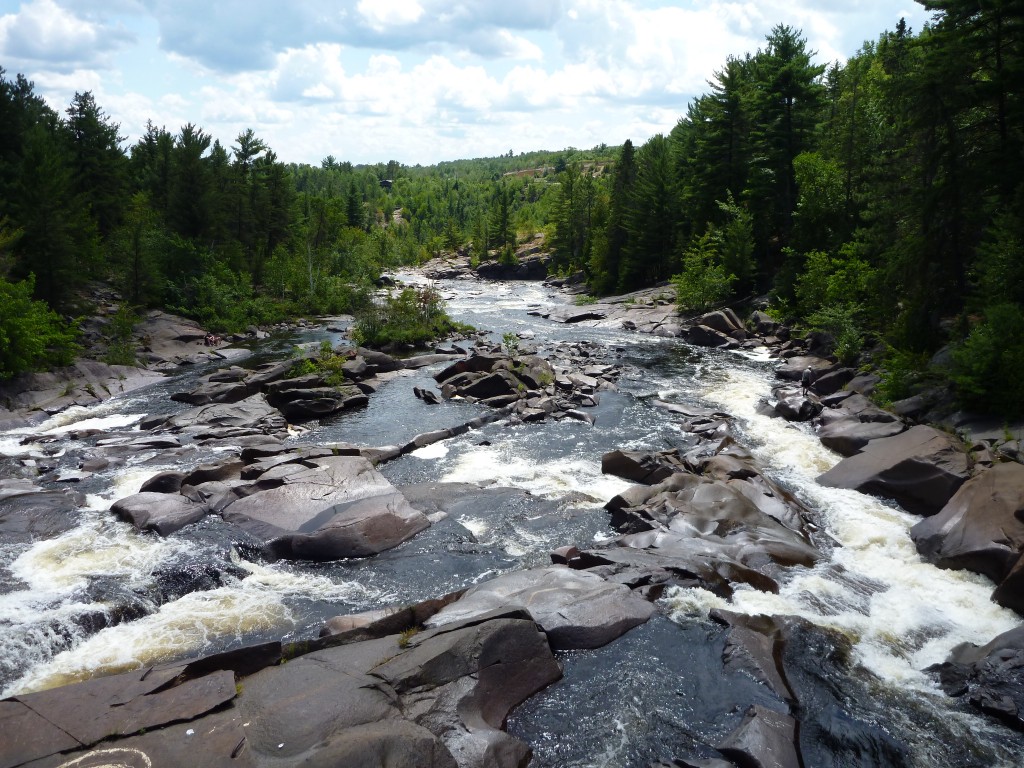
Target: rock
(792,405)
(164,513)
(337,507)
(794,367)
(29,513)
(764,739)
(920,469)
(252,415)
(978,529)
(849,435)
(576,609)
(428,396)
(465,679)
(723,321)
(120,705)
(763,324)
(702,336)
(989,678)
(164,482)
(833,381)
(640,466)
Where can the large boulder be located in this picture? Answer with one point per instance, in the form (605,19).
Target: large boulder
(979,528)
(336,507)
(920,469)
(576,609)
(164,513)
(989,678)
(848,435)
(254,415)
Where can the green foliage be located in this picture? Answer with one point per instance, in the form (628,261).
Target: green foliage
(988,367)
(703,281)
(120,345)
(901,372)
(32,336)
(510,342)
(842,323)
(414,316)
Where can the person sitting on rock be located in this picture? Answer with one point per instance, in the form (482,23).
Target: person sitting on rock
(805,381)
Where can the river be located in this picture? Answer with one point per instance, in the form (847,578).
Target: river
(659,692)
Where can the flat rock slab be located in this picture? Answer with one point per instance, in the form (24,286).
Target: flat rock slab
(84,714)
(920,469)
(847,436)
(335,507)
(576,609)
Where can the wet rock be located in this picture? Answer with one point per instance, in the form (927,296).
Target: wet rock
(250,416)
(164,482)
(337,507)
(849,435)
(702,336)
(164,513)
(979,528)
(641,466)
(764,739)
(576,609)
(120,705)
(792,405)
(988,678)
(29,513)
(725,321)
(920,469)
(428,396)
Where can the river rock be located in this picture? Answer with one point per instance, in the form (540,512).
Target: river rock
(792,405)
(250,416)
(764,739)
(988,678)
(847,435)
(30,513)
(641,466)
(164,513)
(576,609)
(979,528)
(702,336)
(336,507)
(920,469)
(794,367)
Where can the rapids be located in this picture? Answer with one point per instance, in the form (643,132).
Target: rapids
(657,693)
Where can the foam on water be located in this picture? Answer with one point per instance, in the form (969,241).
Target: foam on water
(191,624)
(503,464)
(902,613)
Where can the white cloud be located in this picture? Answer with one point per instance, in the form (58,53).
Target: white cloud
(384,14)
(44,33)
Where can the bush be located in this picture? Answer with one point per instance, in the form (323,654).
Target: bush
(988,366)
(415,316)
(842,323)
(32,336)
(703,281)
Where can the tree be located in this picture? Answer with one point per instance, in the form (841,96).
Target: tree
(651,252)
(786,102)
(97,162)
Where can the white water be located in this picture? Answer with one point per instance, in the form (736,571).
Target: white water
(901,613)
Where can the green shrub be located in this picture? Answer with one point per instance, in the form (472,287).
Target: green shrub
(842,323)
(703,281)
(413,316)
(900,373)
(988,366)
(32,336)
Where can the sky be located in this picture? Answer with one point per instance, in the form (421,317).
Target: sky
(417,81)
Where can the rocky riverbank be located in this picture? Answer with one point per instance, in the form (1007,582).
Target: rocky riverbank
(433,683)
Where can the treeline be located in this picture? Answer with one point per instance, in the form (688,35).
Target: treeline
(227,234)
(881,199)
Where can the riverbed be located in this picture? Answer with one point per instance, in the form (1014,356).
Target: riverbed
(655,694)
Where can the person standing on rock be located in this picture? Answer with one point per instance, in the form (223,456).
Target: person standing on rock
(805,381)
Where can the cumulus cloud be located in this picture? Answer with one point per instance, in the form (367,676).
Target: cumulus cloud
(46,35)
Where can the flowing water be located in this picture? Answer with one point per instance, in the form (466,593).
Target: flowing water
(102,598)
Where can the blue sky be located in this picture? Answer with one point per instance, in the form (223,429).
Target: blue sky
(412,80)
